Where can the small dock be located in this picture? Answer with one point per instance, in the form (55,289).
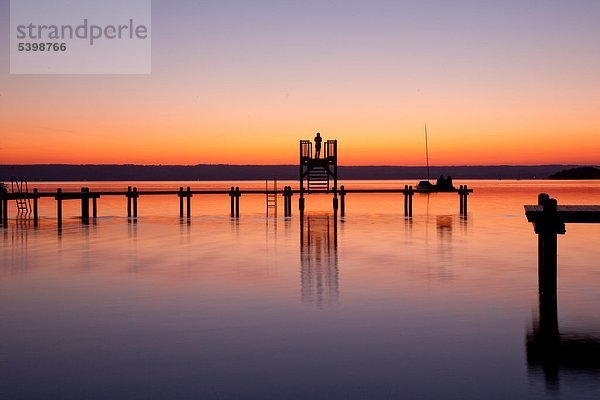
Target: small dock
(546,347)
(90,200)
(549,220)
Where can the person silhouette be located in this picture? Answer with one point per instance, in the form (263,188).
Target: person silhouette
(318,141)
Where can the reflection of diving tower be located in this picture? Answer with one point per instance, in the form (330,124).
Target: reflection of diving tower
(320,174)
(319,259)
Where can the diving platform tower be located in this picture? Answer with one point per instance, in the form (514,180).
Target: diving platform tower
(318,172)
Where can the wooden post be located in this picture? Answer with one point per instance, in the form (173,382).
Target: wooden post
(180,202)
(463,192)
(410,200)
(189,203)
(129,202)
(95,207)
(342,201)
(237,202)
(406,200)
(285,201)
(59,212)
(4,208)
(36,216)
(85,206)
(135,202)
(286,194)
(232,197)
(290,194)
(461,205)
(547,228)
(542,199)
(465,202)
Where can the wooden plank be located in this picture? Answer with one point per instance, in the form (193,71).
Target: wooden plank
(568,214)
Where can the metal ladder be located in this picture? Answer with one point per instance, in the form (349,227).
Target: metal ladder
(20,187)
(271,196)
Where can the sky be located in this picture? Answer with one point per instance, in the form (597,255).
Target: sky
(240,82)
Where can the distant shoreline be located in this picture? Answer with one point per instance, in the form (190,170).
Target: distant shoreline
(71,172)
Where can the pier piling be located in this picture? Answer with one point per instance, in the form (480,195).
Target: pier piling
(342,201)
(85,205)
(59,213)
(287,201)
(4,208)
(180,202)
(135,203)
(4,212)
(547,230)
(463,193)
(237,202)
(235,195)
(189,203)
(128,202)
(408,200)
(95,207)
(35,208)
(232,199)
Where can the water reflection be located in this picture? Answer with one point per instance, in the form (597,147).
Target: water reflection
(19,236)
(319,259)
(550,351)
(444,225)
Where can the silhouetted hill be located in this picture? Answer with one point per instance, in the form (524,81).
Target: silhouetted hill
(66,172)
(577,173)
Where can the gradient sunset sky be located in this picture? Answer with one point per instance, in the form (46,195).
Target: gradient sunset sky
(497,82)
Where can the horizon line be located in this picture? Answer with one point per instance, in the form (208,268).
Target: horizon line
(295,165)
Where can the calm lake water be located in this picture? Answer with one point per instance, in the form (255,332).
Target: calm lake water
(371,306)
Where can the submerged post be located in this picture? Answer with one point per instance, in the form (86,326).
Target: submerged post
(463,193)
(135,201)
(59,207)
(408,200)
(232,200)
(4,208)
(465,201)
(180,195)
(411,193)
(342,201)
(547,227)
(128,202)
(85,205)
(35,207)
(95,207)
(237,201)
(189,202)
(287,201)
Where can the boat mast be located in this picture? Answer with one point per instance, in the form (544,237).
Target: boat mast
(427,152)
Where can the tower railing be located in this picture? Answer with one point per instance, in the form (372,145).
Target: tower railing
(305,150)
(331,149)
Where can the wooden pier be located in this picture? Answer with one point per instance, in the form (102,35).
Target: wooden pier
(85,196)
(318,174)
(549,220)
(546,346)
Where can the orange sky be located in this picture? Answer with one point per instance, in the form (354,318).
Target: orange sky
(247,93)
